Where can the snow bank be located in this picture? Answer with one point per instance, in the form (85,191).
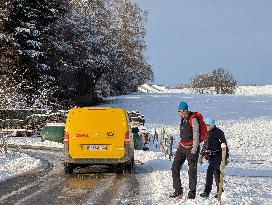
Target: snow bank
(182,91)
(33,141)
(16,164)
(149,88)
(254,90)
(160,88)
(55,124)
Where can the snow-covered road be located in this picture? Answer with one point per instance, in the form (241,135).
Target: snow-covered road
(49,184)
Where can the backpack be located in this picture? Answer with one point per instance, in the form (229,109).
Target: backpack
(202,126)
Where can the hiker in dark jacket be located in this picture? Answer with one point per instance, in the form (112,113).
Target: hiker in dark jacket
(212,151)
(188,149)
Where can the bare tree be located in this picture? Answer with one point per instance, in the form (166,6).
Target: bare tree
(220,80)
(223,81)
(202,83)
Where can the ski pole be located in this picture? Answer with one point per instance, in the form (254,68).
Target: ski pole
(222,166)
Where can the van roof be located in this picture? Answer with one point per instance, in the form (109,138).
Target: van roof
(97,108)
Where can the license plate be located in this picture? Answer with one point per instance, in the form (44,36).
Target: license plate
(96,147)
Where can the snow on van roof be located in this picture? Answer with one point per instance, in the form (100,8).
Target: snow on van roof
(55,124)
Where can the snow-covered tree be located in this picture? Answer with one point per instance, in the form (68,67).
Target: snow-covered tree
(67,52)
(25,27)
(128,56)
(79,49)
(8,47)
(223,81)
(99,44)
(10,97)
(9,56)
(220,80)
(202,83)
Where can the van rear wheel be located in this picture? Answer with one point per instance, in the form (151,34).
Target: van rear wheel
(68,169)
(129,168)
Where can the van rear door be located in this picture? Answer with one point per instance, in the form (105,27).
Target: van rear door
(97,132)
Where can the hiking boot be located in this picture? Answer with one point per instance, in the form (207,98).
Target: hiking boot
(176,195)
(191,195)
(204,195)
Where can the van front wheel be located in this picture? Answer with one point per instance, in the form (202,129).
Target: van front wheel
(68,169)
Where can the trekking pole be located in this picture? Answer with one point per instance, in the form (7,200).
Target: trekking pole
(170,147)
(222,166)
(161,141)
(156,136)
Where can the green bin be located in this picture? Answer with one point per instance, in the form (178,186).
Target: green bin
(138,141)
(53,132)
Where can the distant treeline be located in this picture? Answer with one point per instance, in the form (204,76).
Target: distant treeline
(62,53)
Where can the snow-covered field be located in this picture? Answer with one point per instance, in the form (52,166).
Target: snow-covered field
(248,177)
(241,90)
(245,118)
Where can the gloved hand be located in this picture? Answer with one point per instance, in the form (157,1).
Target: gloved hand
(200,159)
(194,158)
(205,155)
(178,145)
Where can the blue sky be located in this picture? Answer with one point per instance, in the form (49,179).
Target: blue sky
(189,37)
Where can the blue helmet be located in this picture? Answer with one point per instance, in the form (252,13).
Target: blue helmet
(183,106)
(210,121)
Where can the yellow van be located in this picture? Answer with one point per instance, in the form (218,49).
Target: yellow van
(98,136)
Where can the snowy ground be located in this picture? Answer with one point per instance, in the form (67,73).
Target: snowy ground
(14,164)
(245,118)
(254,90)
(241,90)
(161,109)
(246,121)
(248,177)
(33,141)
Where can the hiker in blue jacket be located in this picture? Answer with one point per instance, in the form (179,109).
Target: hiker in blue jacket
(212,151)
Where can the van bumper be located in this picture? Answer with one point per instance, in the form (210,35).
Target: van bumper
(94,161)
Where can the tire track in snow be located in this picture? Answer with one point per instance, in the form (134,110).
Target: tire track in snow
(51,186)
(26,184)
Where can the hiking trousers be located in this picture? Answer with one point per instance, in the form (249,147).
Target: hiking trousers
(182,154)
(213,171)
